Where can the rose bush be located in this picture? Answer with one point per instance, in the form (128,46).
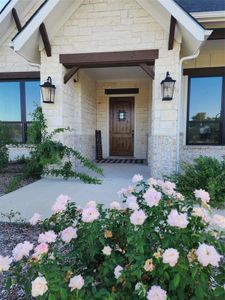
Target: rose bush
(157,245)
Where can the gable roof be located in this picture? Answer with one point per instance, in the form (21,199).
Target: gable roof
(27,42)
(7,23)
(202,5)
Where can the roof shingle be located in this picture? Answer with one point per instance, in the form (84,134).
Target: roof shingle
(202,5)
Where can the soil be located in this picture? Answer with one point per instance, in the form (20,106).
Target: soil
(10,235)
(8,174)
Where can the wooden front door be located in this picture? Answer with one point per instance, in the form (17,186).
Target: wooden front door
(121,126)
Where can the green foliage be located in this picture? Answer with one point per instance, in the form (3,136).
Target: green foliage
(206,173)
(52,157)
(14,184)
(4,139)
(4,157)
(131,246)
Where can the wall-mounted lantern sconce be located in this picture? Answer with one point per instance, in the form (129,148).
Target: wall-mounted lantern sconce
(48,91)
(167,87)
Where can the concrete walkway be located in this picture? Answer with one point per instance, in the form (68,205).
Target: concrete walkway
(39,196)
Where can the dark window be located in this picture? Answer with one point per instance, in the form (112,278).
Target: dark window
(205,116)
(18,99)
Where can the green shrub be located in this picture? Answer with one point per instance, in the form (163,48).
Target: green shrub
(4,157)
(206,173)
(157,246)
(53,157)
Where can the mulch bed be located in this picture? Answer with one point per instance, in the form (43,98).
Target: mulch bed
(10,235)
(8,174)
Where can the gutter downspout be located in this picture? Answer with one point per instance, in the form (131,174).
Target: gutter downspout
(186,58)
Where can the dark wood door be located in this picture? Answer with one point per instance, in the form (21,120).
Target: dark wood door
(121,126)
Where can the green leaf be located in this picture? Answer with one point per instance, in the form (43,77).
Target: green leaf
(176,280)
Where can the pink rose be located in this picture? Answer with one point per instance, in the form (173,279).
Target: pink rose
(47,237)
(41,249)
(207,255)
(35,219)
(138,217)
(218,220)
(39,286)
(137,178)
(152,197)
(170,256)
(202,213)
(5,263)
(176,219)
(76,282)
(202,195)
(22,250)
(68,234)
(115,205)
(90,214)
(132,203)
(156,293)
(60,204)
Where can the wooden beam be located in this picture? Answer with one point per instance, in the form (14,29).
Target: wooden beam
(216,71)
(20,75)
(70,74)
(45,39)
(148,70)
(173,22)
(109,59)
(16,19)
(121,91)
(217,34)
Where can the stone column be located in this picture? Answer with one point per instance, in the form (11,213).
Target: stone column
(163,120)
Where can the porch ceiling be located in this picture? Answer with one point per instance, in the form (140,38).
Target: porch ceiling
(117,73)
(143,58)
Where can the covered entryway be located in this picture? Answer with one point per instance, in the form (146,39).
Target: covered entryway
(121,126)
(116,98)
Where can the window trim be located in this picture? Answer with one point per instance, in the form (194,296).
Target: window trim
(31,76)
(201,73)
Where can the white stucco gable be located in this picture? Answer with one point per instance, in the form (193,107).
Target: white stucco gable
(55,13)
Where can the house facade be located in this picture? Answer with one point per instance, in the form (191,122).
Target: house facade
(107,60)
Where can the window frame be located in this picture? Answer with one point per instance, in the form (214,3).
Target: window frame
(201,73)
(12,77)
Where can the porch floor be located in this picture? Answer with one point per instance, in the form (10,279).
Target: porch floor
(39,196)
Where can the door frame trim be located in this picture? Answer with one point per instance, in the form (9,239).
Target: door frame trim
(108,120)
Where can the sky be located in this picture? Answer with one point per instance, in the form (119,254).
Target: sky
(2,3)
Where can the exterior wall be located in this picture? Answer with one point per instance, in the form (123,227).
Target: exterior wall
(141,118)
(99,26)
(74,107)
(207,58)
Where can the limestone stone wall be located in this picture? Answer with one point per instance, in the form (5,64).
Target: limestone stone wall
(141,113)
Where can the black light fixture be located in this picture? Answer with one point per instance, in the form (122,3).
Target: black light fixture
(167,87)
(48,91)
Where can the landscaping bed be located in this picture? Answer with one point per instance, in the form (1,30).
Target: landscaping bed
(11,178)
(10,235)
